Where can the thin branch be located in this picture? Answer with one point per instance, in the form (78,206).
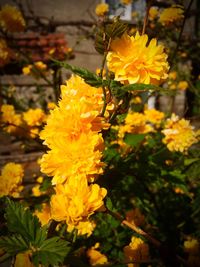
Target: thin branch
(146,16)
(181,31)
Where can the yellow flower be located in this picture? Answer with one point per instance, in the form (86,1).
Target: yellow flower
(192,246)
(27,70)
(11,180)
(23,259)
(70,157)
(154,116)
(153,12)
(182,85)
(96,257)
(133,61)
(83,227)
(5,53)
(179,134)
(76,200)
(36,191)
(135,123)
(172,86)
(40,65)
(11,19)
(171,14)
(136,100)
(9,116)
(40,179)
(126,2)
(137,250)
(34,117)
(71,128)
(44,215)
(172,75)
(101,9)
(134,216)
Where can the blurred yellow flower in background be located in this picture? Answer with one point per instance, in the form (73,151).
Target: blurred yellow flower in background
(95,256)
(133,61)
(179,134)
(137,250)
(101,9)
(172,75)
(11,179)
(171,14)
(126,2)
(9,116)
(154,116)
(34,117)
(182,85)
(11,19)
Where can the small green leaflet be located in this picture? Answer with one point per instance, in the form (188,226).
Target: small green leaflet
(134,139)
(52,251)
(13,244)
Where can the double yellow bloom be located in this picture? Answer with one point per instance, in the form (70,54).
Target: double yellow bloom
(73,136)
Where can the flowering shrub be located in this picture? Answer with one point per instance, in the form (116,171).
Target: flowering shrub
(119,181)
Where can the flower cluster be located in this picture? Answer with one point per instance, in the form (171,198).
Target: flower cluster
(11,180)
(34,117)
(36,69)
(25,124)
(171,14)
(179,134)
(139,123)
(10,118)
(176,84)
(73,135)
(133,61)
(11,19)
(137,250)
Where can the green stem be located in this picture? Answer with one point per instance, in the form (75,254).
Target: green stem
(101,75)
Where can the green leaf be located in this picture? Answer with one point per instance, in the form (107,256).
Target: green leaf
(188,162)
(109,204)
(13,244)
(141,87)
(88,76)
(24,223)
(134,139)
(51,252)
(107,32)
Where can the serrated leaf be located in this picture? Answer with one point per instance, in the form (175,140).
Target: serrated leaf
(52,251)
(134,139)
(21,221)
(107,32)
(13,244)
(24,223)
(88,76)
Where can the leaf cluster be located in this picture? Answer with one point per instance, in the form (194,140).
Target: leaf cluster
(28,235)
